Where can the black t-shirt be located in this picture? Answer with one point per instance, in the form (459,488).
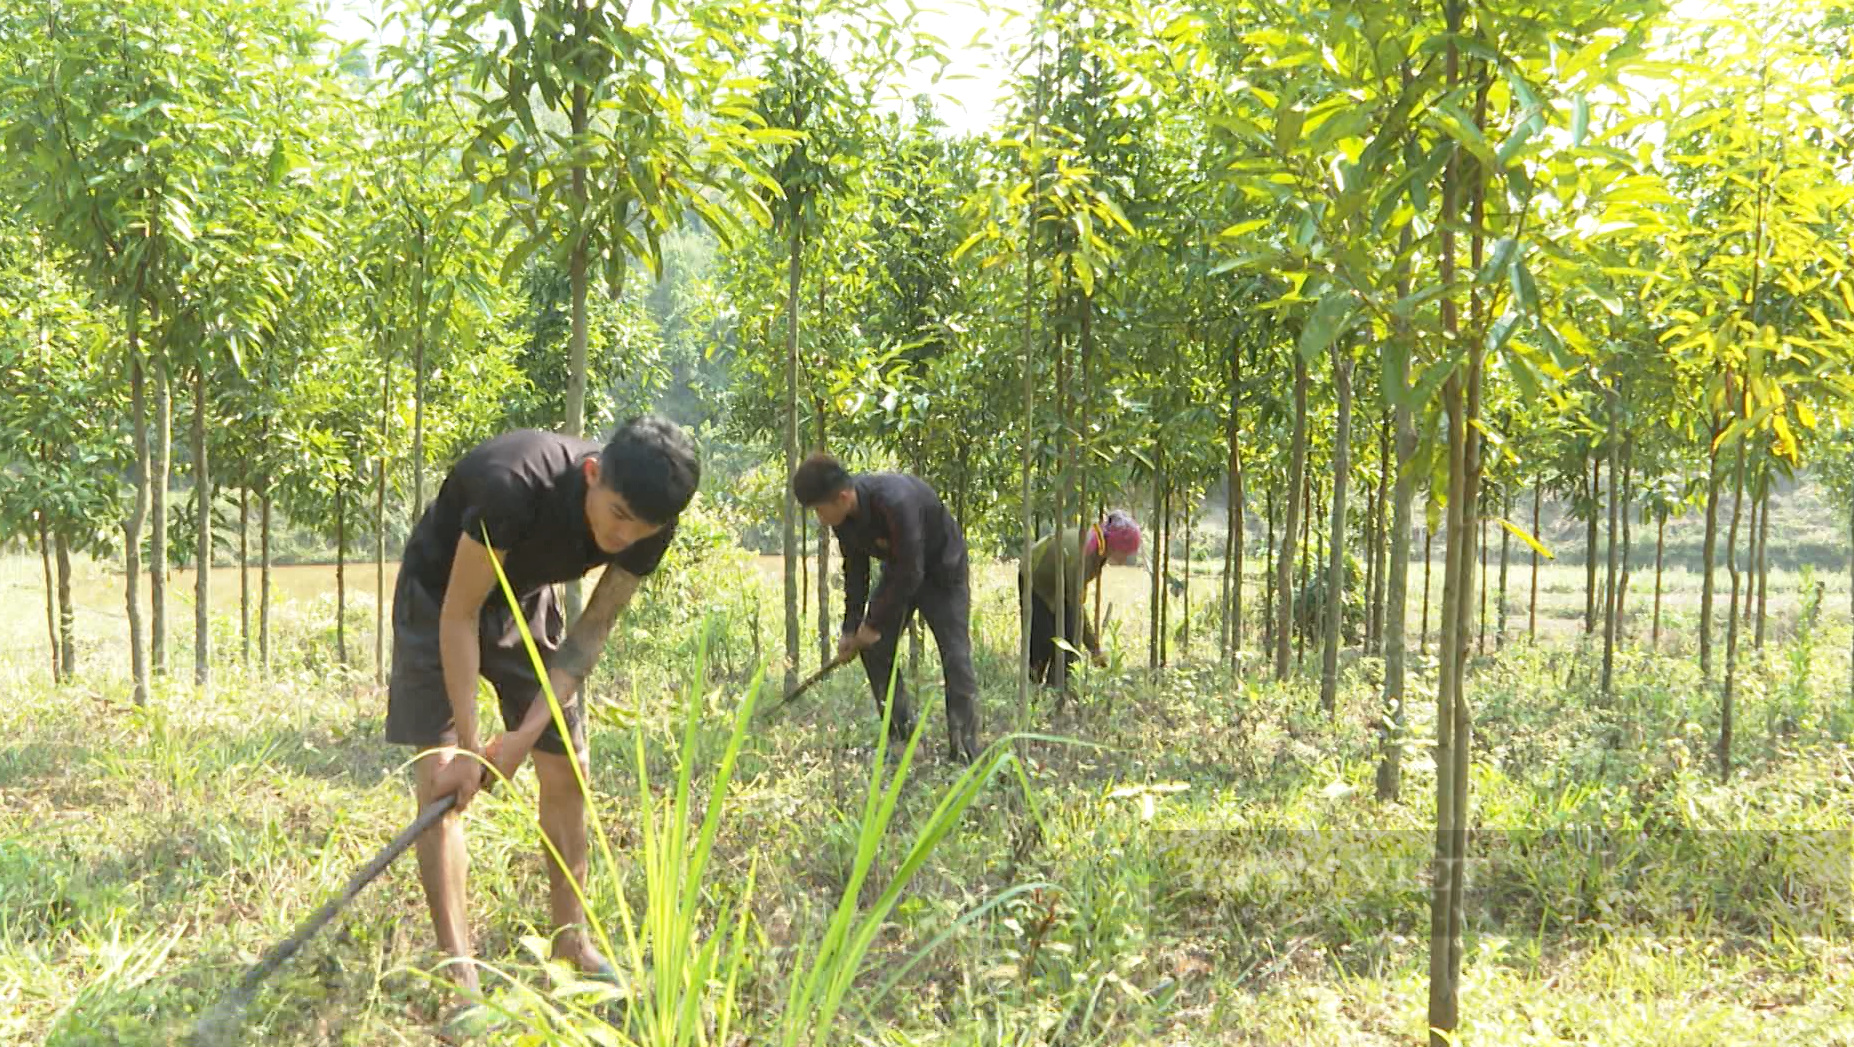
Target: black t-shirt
(529,489)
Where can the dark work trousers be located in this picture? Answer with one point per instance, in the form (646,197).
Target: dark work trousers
(948,612)
(1043,635)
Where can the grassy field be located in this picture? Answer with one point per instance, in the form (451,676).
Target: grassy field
(1215,868)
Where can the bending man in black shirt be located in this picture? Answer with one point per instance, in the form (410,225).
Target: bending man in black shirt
(899,520)
(553,507)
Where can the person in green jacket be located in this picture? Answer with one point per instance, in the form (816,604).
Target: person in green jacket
(1114,540)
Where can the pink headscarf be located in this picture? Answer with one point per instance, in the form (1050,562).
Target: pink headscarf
(1119,531)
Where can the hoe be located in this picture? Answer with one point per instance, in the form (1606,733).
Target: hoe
(220,1025)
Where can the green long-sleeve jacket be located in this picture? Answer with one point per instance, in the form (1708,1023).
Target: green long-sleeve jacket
(1043,578)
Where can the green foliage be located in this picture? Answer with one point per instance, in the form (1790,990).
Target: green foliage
(634,159)
(1310,602)
(375,257)
(60,450)
(628,369)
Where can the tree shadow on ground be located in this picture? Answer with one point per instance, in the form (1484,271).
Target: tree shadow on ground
(359,755)
(25,763)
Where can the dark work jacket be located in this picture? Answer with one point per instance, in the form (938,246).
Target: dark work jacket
(902,522)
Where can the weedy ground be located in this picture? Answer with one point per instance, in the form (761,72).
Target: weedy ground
(1202,860)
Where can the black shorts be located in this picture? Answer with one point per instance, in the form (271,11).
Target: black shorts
(418,711)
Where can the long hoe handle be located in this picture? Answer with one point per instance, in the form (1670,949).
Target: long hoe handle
(805,685)
(223,1019)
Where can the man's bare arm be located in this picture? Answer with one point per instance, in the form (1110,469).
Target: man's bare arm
(585,641)
(473,576)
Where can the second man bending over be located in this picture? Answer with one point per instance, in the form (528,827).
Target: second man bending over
(898,519)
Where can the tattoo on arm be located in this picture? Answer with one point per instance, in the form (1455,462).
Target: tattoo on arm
(585,640)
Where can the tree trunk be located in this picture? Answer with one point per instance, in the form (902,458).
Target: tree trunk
(1394,618)
(1230,638)
(67,612)
(1059,664)
(1612,572)
(51,600)
(202,494)
(1660,546)
(244,572)
(1099,626)
(1380,558)
(914,620)
(418,409)
(341,575)
(1310,554)
(1369,588)
(794,271)
(264,578)
(157,551)
(1396,611)
(962,497)
(1100,584)
(1482,639)
(1335,569)
(1731,627)
(1184,635)
(1590,545)
(1708,557)
(1429,538)
(1506,550)
(1453,748)
(132,530)
(1029,441)
(1224,606)
(1069,498)
(1157,617)
(1532,602)
(1757,270)
(1269,605)
(52,615)
(379,525)
(578,263)
(1751,551)
(1284,558)
(1763,558)
(1452,726)
(1628,513)
(1444,968)
(1079,450)
(826,648)
(1082,447)
(1165,564)
(1237,524)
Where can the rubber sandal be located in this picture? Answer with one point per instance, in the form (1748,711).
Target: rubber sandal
(606,974)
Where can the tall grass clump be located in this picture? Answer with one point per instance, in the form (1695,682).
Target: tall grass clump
(690,945)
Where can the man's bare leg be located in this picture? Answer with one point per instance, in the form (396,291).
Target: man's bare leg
(442,864)
(563,819)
